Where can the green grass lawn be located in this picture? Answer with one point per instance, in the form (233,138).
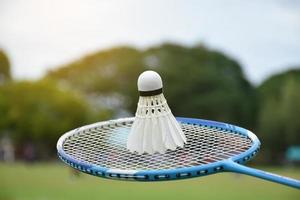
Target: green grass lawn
(54,181)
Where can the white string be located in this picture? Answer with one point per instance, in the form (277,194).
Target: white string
(106,146)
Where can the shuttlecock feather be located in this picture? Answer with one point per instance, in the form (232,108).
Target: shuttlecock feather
(154,129)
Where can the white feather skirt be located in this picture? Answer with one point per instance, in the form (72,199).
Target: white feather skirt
(155,129)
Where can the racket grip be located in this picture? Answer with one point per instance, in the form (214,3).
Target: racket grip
(235,167)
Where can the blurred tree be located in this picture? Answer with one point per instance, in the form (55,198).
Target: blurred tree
(39,112)
(198,82)
(204,84)
(279,114)
(107,77)
(4,67)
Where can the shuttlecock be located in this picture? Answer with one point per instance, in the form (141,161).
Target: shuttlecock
(154,129)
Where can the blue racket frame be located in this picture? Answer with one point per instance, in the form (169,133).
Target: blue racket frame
(232,164)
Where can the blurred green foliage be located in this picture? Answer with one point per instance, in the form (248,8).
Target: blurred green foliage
(278,118)
(204,84)
(106,73)
(39,112)
(4,67)
(198,82)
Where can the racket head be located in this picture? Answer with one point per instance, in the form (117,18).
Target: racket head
(100,149)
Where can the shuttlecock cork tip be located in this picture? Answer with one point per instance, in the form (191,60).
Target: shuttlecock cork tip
(149,83)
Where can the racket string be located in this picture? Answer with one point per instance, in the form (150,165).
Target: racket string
(106,146)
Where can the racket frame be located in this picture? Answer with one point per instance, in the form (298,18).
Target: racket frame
(165,174)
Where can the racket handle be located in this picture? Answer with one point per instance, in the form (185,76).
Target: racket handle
(235,167)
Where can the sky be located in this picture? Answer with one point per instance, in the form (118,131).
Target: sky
(38,35)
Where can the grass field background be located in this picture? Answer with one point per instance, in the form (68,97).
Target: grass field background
(47,181)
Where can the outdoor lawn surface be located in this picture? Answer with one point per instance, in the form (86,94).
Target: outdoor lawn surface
(45,181)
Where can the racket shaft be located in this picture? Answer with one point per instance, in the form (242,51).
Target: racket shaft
(235,167)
